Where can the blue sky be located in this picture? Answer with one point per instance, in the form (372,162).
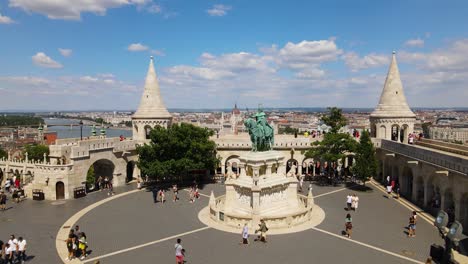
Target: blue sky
(210,54)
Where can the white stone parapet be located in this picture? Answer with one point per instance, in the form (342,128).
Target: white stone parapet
(454,162)
(242,141)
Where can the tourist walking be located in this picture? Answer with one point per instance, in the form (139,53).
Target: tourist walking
(22,249)
(354,202)
(3,199)
(82,245)
(161,196)
(179,252)
(262,229)
(10,254)
(71,246)
(412,225)
(110,186)
(175,192)
(348,225)
(349,201)
(245,234)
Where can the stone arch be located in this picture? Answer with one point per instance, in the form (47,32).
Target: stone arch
(406,183)
(59,190)
(233,162)
(101,168)
(130,168)
(382,132)
(373,132)
(308,166)
(147,130)
(404,133)
(395,132)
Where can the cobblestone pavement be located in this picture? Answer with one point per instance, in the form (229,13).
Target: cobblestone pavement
(133,220)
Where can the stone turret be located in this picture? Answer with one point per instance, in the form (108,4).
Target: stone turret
(392,118)
(151,112)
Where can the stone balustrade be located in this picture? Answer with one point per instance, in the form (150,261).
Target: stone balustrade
(281,141)
(431,156)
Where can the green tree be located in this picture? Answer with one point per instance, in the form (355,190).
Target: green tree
(425,127)
(366,162)
(90,176)
(334,146)
(3,153)
(174,151)
(334,119)
(36,152)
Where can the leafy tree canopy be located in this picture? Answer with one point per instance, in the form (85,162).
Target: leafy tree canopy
(20,120)
(366,162)
(36,152)
(176,150)
(3,153)
(334,119)
(334,145)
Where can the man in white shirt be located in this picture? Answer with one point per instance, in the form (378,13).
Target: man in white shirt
(349,200)
(179,252)
(22,249)
(12,246)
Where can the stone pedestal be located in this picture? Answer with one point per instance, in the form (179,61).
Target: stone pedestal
(261,191)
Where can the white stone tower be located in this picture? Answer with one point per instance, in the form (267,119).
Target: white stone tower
(392,119)
(151,112)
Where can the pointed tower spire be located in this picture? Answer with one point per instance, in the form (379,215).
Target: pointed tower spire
(392,100)
(151,104)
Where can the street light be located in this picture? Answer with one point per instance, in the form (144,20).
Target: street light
(81,129)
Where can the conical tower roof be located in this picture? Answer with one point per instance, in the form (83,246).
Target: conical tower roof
(392,100)
(151,104)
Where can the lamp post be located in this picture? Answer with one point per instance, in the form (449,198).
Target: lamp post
(81,129)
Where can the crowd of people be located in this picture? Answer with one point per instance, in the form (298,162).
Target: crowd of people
(14,189)
(13,251)
(105,183)
(159,194)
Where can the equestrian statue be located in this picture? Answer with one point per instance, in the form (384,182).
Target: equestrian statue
(261,133)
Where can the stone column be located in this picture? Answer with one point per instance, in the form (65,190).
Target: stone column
(457,203)
(223,169)
(299,169)
(313,170)
(427,185)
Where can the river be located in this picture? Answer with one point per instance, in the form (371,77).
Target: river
(74,132)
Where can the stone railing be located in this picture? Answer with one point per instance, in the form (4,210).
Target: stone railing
(444,146)
(445,160)
(281,141)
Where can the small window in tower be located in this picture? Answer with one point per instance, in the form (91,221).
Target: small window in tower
(146,96)
(396,92)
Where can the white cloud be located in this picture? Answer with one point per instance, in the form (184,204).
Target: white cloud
(308,53)
(219,10)
(65,52)
(356,63)
(415,43)
(154,8)
(42,60)
(137,47)
(6,20)
(71,10)
(237,62)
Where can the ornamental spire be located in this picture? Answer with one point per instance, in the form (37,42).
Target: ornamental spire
(151,104)
(392,100)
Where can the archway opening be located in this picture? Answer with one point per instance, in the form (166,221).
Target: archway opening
(59,190)
(404,134)
(147,131)
(395,132)
(383,132)
(290,163)
(100,174)
(232,165)
(130,167)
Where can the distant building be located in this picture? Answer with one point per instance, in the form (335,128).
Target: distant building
(449,133)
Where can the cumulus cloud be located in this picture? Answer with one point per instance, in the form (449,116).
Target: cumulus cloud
(307,53)
(356,63)
(72,10)
(6,20)
(137,47)
(418,42)
(219,10)
(65,52)
(42,60)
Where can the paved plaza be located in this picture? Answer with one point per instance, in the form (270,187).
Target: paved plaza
(132,228)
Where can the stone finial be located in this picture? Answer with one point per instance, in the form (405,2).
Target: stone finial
(27,157)
(45,158)
(212,199)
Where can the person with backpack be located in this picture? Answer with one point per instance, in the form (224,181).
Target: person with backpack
(70,246)
(3,199)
